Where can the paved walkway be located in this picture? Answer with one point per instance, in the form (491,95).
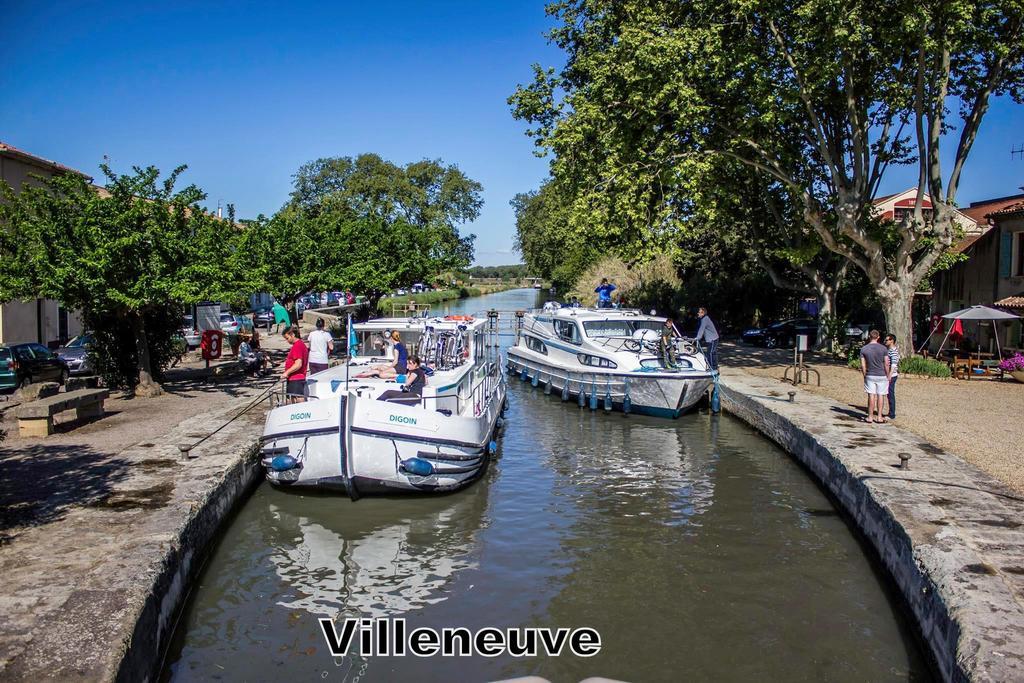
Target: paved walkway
(949,534)
(98,540)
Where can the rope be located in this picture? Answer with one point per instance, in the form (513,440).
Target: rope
(252,404)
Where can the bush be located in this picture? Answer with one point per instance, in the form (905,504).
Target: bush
(853,363)
(653,284)
(919,365)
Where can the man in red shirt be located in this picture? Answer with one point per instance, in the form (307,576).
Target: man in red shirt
(295,366)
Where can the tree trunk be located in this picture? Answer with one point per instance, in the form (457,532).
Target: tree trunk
(147,386)
(826,293)
(897,303)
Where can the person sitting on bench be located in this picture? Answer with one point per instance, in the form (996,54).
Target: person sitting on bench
(415,380)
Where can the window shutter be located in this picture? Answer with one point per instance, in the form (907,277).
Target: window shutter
(1005,254)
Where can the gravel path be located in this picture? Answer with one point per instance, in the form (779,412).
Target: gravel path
(979,420)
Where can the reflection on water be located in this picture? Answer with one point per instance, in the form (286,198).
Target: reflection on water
(696,548)
(383,572)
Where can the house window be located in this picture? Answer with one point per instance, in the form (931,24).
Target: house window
(1019,253)
(898,214)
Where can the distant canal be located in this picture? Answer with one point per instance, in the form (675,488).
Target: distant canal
(697,549)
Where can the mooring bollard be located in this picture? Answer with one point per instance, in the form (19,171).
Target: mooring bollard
(792,396)
(904,461)
(186,451)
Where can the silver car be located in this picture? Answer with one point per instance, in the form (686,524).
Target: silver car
(77,355)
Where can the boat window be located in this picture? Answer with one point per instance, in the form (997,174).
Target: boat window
(478,345)
(595,361)
(681,363)
(567,331)
(648,325)
(535,344)
(608,328)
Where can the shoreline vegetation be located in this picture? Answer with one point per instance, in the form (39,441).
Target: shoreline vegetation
(385,306)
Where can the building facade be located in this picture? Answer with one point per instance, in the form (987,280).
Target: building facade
(38,320)
(992,273)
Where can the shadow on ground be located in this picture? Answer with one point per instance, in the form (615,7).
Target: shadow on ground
(739,355)
(39,483)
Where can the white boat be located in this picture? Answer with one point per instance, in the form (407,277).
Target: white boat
(610,358)
(343,438)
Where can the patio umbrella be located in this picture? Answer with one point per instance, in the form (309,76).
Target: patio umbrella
(978,313)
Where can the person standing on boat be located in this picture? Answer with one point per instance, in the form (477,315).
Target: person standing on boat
(321,344)
(708,333)
(295,366)
(604,293)
(415,380)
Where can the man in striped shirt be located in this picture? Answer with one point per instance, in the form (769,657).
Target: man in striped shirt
(894,362)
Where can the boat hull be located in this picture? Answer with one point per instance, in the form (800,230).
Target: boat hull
(359,446)
(658,394)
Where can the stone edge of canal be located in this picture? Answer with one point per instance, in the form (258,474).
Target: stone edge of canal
(183,561)
(924,523)
(973,629)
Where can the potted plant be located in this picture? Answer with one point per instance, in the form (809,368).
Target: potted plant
(1014,366)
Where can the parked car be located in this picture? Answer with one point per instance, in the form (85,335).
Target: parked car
(188,332)
(78,356)
(400,292)
(263,317)
(31,363)
(8,369)
(229,323)
(782,333)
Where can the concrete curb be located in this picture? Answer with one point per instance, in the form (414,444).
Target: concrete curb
(948,534)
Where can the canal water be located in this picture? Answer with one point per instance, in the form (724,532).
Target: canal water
(696,548)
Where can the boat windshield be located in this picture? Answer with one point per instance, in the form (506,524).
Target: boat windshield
(597,329)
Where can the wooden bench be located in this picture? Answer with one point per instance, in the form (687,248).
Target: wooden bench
(36,417)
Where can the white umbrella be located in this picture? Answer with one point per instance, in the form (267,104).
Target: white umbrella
(978,313)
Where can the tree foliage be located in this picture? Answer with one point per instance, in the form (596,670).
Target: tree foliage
(819,96)
(425,194)
(364,224)
(126,255)
(550,246)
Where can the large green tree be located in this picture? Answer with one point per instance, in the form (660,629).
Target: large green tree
(549,245)
(119,254)
(818,96)
(427,194)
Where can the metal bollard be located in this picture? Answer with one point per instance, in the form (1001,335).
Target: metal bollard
(792,396)
(904,461)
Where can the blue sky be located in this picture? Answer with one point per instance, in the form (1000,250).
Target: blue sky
(245,92)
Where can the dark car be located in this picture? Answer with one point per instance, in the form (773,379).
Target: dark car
(77,355)
(32,363)
(782,333)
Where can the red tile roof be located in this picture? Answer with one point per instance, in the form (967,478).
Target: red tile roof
(1009,210)
(1011,302)
(32,158)
(980,210)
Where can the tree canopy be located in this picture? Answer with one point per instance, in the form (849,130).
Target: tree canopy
(364,224)
(819,97)
(121,254)
(425,194)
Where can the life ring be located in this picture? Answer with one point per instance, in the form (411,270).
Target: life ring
(458,317)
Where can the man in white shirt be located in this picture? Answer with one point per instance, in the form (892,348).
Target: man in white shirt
(321,344)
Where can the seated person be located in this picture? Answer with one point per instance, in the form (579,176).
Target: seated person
(396,367)
(262,357)
(255,362)
(415,380)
